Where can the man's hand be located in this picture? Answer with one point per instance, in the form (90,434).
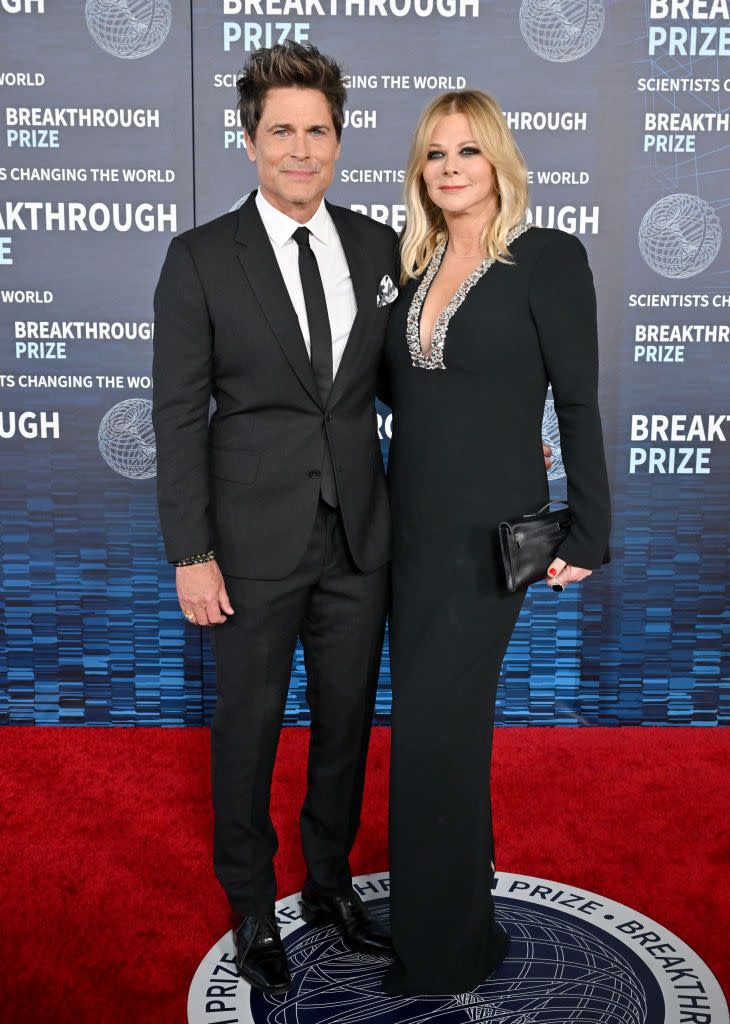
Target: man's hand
(201,590)
(547,452)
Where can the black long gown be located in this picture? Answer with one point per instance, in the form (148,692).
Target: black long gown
(467,452)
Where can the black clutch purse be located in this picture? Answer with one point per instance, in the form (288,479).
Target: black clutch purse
(529,544)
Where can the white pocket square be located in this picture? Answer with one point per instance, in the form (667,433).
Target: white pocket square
(387,292)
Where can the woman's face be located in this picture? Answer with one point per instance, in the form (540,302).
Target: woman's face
(457,175)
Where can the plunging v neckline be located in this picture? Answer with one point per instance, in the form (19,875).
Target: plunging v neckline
(435,359)
(427,355)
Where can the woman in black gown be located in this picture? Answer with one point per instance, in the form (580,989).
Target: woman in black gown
(472,344)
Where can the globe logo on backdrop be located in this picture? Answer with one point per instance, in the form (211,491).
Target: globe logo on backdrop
(127,440)
(129,28)
(561,30)
(551,435)
(574,956)
(680,236)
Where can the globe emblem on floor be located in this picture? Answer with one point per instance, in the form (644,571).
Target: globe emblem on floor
(551,436)
(680,236)
(129,28)
(127,440)
(574,956)
(555,971)
(561,30)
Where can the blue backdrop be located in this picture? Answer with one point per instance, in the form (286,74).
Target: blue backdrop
(118,131)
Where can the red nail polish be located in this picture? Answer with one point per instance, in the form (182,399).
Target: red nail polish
(551,572)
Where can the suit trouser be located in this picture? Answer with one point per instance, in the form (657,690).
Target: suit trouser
(339,613)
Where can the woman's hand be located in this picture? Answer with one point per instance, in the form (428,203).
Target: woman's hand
(562,573)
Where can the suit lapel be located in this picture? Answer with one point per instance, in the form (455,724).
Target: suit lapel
(260,266)
(356,257)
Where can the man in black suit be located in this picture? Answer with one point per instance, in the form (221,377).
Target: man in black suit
(276,511)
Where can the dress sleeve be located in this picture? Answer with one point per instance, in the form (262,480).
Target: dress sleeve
(563,305)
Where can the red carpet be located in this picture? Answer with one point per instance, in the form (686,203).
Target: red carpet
(108,901)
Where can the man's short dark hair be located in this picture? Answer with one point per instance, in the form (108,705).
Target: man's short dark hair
(289,64)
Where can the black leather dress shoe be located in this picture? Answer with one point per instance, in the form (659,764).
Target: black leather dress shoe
(348,913)
(260,956)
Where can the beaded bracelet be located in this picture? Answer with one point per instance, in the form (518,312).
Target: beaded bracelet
(206,556)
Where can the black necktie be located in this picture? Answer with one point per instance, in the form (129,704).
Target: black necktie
(320,346)
(320,336)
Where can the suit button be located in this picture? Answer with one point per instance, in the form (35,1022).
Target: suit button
(314,474)
(329,417)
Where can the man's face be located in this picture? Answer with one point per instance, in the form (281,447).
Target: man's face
(295,150)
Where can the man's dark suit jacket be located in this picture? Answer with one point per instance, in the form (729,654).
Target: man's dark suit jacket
(247,483)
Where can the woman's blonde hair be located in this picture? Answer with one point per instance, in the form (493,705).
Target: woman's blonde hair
(425,223)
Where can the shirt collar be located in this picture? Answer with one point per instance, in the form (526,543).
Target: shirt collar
(280,227)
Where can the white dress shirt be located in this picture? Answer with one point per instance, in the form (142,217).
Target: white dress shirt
(333,269)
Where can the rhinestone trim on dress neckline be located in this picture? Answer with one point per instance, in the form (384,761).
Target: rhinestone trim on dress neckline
(435,359)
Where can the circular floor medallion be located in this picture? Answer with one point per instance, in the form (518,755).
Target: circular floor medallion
(574,956)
